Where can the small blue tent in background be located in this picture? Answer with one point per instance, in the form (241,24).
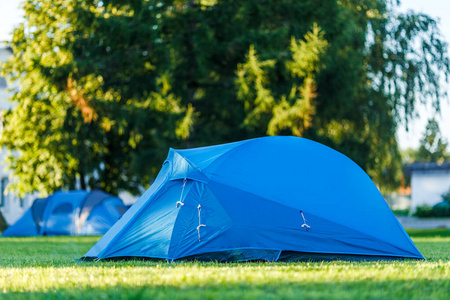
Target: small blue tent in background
(272,198)
(69,213)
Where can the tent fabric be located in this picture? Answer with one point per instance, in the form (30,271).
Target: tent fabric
(271,198)
(103,216)
(69,213)
(91,201)
(37,211)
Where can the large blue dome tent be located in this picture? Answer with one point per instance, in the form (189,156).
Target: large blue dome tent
(69,213)
(272,198)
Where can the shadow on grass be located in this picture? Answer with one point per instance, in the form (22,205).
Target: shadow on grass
(61,251)
(358,289)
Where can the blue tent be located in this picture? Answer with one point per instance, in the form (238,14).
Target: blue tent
(271,198)
(69,213)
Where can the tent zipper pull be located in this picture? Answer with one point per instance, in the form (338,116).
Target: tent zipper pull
(199,207)
(181,196)
(304,222)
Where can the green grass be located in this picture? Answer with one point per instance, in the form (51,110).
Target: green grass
(44,268)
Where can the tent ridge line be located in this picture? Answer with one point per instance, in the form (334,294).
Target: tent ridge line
(226,154)
(191,164)
(45,213)
(222,156)
(80,222)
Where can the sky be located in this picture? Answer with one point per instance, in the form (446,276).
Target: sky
(11,15)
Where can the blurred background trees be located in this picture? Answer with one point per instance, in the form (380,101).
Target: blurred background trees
(107,86)
(432,148)
(432,145)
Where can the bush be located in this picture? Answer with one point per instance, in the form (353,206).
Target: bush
(424,211)
(401,212)
(441,209)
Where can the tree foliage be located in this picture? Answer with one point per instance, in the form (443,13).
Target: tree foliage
(432,148)
(446,196)
(3,224)
(292,110)
(107,86)
(433,145)
(91,106)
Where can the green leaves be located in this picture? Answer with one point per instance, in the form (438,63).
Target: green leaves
(106,87)
(252,84)
(307,54)
(283,112)
(90,102)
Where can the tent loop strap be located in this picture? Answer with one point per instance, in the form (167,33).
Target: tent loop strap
(304,222)
(181,196)
(199,207)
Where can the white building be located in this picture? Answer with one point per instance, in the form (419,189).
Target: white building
(429,181)
(11,206)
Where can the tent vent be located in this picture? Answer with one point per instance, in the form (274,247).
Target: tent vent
(304,222)
(199,207)
(181,196)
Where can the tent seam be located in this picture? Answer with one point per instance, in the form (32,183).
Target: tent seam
(294,208)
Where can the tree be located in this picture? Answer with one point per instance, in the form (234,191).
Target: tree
(446,196)
(3,224)
(432,145)
(107,86)
(90,107)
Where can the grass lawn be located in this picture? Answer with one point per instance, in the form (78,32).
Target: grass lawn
(44,268)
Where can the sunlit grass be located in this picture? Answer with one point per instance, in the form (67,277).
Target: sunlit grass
(45,268)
